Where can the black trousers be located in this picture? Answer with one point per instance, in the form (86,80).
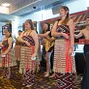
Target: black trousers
(86,49)
(85,81)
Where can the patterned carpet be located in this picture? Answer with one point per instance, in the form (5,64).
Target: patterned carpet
(15,82)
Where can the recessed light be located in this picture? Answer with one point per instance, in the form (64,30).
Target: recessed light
(6,4)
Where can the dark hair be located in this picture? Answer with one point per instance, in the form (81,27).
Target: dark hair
(30,22)
(67,17)
(19,31)
(48,27)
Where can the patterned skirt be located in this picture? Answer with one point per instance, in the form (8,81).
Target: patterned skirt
(27,65)
(64,64)
(7,62)
(25,62)
(64,80)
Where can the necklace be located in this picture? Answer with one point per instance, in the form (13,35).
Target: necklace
(27,32)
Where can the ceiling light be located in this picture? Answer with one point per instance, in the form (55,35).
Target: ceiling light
(5,4)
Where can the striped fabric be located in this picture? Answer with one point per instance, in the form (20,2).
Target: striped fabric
(9,60)
(6,62)
(64,81)
(29,78)
(63,28)
(63,63)
(26,63)
(29,39)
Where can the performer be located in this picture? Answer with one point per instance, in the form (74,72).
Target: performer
(18,49)
(29,49)
(7,53)
(48,46)
(85,33)
(63,30)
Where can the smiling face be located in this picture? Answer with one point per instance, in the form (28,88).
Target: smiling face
(63,12)
(7,33)
(27,25)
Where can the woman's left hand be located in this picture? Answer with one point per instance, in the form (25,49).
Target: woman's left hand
(47,33)
(65,35)
(3,55)
(70,51)
(33,57)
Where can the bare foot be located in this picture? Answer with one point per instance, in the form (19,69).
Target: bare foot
(29,85)
(46,75)
(45,72)
(52,76)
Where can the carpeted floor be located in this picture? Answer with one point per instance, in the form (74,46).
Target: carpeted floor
(15,82)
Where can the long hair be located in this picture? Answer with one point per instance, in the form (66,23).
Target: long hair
(31,23)
(48,28)
(67,16)
(10,33)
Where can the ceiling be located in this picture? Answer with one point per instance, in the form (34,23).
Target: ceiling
(24,7)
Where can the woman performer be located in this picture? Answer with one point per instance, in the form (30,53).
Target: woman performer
(63,30)
(7,53)
(29,49)
(48,46)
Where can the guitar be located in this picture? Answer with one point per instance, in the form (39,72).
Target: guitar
(48,45)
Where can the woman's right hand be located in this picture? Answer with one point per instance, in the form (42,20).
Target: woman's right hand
(46,34)
(27,43)
(65,35)
(3,55)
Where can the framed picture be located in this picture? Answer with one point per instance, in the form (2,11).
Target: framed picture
(3,30)
(7,26)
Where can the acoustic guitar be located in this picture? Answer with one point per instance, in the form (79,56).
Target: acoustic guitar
(48,45)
